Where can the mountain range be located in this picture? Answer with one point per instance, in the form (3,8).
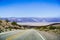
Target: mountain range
(31,19)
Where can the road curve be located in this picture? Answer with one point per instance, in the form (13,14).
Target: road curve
(22,35)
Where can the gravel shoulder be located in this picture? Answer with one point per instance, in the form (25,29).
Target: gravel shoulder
(50,35)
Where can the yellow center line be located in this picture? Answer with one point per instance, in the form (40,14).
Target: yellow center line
(16,35)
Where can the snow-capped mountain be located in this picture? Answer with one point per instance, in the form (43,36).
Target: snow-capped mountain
(31,19)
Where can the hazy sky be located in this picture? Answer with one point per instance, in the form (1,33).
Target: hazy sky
(30,8)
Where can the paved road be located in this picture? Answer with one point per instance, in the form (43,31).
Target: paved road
(4,36)
(22,35)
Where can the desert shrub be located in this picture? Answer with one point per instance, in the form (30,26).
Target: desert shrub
(14,23)
(51,27)
(0,21)
(7,20)
(58,27)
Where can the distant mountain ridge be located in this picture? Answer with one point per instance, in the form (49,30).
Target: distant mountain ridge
(31,19)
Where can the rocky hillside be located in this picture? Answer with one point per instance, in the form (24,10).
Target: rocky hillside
(5,25)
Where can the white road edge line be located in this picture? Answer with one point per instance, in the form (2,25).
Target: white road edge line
(8,32)
(40,35)
(5,32)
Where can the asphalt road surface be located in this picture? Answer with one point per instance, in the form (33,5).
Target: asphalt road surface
(22,35)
